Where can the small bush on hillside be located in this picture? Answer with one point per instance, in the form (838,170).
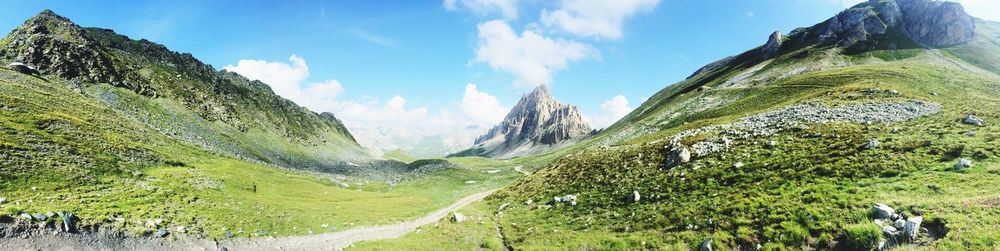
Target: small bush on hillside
(863,236)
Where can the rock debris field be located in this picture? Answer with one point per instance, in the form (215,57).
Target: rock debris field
(800,117)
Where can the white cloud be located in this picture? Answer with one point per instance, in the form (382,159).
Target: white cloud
(530,56)
(482,107)
(374,38)
(595,18)
(506,8)
(381,125)
(611,111)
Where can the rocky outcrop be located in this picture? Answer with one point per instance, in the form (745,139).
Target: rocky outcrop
(22,68)
(926,22)
(773,44)
(57,46)
(937,23)
(538,122)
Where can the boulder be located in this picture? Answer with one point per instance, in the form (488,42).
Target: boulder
(883,211)
(900,223)
(457,217)
(963,164)
(676,154)
(706,246)
(22,68)
(160,233)
(635,196)
(771,144)
(912,227)
(39,216)
(973,120)
(872,144)
(69,221)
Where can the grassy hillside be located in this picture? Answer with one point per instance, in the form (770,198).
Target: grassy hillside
(806,187)
(64,150)
(126,134)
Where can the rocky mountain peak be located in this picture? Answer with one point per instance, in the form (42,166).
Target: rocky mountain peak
(537,122)
(876,23)
(55,45)
(773,44)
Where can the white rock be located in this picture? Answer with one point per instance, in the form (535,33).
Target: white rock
(912,227)
(883,211)
(973,120)
(872,144)
(738,165)
(963,164)
(3,200)
(458,217)
(635,196)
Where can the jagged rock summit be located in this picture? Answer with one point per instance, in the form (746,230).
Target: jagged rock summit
(538,122)
(881,24)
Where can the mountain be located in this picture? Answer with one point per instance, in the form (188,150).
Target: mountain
(537,123)
(790,144)
(114,102)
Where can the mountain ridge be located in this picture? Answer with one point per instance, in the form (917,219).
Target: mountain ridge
(271,129)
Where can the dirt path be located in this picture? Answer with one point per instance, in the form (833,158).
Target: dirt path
(328,241)
(520,170)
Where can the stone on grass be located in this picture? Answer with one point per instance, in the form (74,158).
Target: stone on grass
(3,200)
(738,165)
(160,233)
(635,196)
(963,164)
(676,154)
(883,211)
(39,216)
(900,223)
(973,120)
(25,216)
(912,227)
(503,206)
(706,245)
(872,144)
(22,68)
(771,144)
(458,217)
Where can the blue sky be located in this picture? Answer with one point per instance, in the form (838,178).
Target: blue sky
(428,76)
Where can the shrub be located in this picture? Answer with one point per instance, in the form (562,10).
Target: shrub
(863,236)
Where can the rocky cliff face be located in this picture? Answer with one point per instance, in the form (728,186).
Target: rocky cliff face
(880,23)
(536,123)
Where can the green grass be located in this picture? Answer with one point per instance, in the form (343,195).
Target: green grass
(806,193)
(65,151)
(399,155)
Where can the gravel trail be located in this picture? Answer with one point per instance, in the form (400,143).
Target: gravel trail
(328,241)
